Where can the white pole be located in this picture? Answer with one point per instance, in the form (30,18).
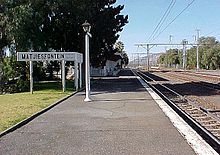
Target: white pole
(184,54)
(80,75)
(89,77)
(197,51)
(31,77)
(76,75)
(87,69)
(63,76)
(148,58)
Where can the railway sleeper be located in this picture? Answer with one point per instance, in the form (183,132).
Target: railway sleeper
(182,105)
(212,126)
(215,131)
(188,109)
(200,119)
(217,134)
(204,119)
(187,105)
(178,100)
(198,115)
(193,111)
(181,99)
(206,123)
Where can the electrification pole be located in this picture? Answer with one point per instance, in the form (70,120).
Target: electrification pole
(138,60)
(197,50)
(184,43)
(148,58)
(184,53)
(170,41)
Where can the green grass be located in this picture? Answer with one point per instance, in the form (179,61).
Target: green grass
(16,107)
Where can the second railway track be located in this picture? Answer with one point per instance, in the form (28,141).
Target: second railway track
(202,120)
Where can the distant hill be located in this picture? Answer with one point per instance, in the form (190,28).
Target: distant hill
(141,61)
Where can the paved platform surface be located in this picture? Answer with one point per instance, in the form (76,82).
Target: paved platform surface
(122,119)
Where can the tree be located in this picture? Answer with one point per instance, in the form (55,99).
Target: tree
(107,23)
(173,58)
(125,58)
(161,59)
(45,24)
(211,58)
(119,46)
(191,58)
(3,43)
(209,55)
(170,58)
(209,50)
(208,42)
(57,25)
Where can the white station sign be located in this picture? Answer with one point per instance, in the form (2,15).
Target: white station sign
(50,56)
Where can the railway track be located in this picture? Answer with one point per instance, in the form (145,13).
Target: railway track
(200,90)
(209,77)
(203,121)
(207,81)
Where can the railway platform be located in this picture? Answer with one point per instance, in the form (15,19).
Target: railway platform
(122,118)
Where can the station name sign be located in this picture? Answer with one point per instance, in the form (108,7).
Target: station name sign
(49,56)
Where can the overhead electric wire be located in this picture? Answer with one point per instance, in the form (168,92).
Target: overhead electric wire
(216,30)
(162,20)
(175,19)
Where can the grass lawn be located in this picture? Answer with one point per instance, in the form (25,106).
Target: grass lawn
(18,106)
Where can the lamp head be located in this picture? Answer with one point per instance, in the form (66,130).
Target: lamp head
(86,26)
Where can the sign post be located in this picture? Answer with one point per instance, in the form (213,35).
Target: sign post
(52,56)
(31,77)
(80,75)
(63,76)
(76,80)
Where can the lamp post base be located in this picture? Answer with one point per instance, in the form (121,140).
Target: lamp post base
(87,99)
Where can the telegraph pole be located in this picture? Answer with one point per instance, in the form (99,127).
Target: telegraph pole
(148,57)
(170,41)
(184,53)
(197,50)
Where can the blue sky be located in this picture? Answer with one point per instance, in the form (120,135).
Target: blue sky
(144,15)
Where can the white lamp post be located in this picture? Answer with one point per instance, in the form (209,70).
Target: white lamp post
(86,27)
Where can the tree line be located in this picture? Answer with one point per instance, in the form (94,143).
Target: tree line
(54,25)
(209,55)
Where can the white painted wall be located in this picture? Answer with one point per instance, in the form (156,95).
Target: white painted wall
(110,69)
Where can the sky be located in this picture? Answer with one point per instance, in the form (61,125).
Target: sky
(144,15)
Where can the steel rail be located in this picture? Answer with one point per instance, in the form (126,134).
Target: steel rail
(205,134)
